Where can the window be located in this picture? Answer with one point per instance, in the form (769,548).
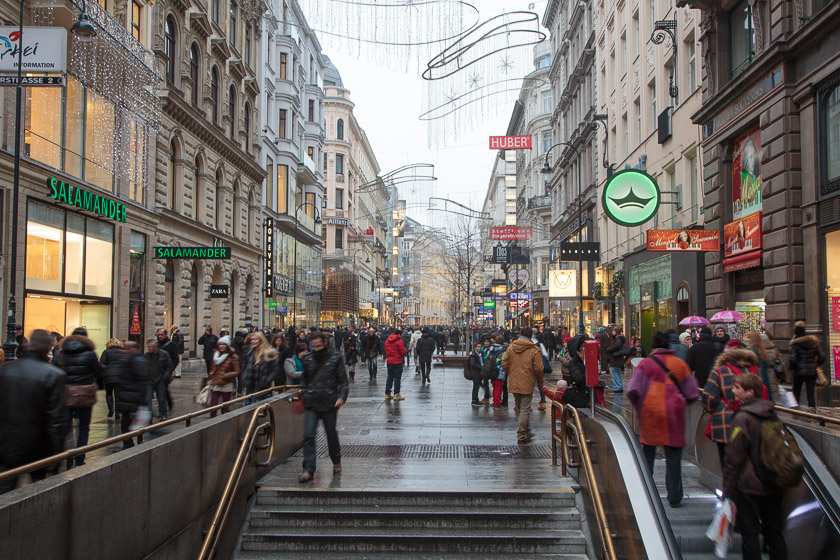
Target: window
(220,201)
(214,94)
(136,155)
(233,12)
(247,125)
(169,46)
(310,206)
(339,164)
(543,61)
(284,58)
(637,112)
(198,189)
(652,101)
(42,137)
(623,69)
(248,44)
(742,36)
(281,125)
(339,129)
(691,69)
(232,111)
(339,199)
(693,182)
(830,139)
(194,73)
(99,135)
(136,20)
(282,188)
(546,138)
(547,101)
(136,285)
(172,178)
(626,133)
(339,238)
(637,35)
(99,258)
(311,113)
(216,10)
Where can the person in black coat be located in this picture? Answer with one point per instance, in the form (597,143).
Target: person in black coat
(425,348)
(616,355)
(702,356)
(159,371)
(208,342)
(371,348)
(133,388)
(805,357)
(32,414)
(79,361)
(577,393)
(111,360)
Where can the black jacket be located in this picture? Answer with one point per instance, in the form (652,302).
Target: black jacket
(132,390)
(617,352)
(805,356)
(701,358)
(170,346)
(79,361)
(425,347)
(257,377)
(158,366)
(32,413)
(577,393)
(371,346)
(112,360)
(324,380)
(208,342)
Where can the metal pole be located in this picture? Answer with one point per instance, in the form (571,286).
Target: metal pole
(294,282)
(580,256)
(11,346)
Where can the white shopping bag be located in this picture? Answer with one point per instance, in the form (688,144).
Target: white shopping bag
(720,530)
(141,418)
(786,398)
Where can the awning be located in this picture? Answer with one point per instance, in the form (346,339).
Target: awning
(742,261)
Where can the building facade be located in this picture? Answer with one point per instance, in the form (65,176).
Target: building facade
(292,140)
(771,149)
(648,128)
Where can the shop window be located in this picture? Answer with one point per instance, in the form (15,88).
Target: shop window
(830,141)
(99,258)
(282,188)
(832,288)
(42,137)
(136,286)
(74,254)
(44,248)
(742,36)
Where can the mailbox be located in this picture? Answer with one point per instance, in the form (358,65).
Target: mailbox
(591,356)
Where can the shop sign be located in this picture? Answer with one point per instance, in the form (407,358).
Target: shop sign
(587,251)
(338,221)
(746,175)
(268,257)
(519,278)
(501,254)
(631,197)
(683,240)
(282,284)
(209,253)
(510,233)
(510,142)
(84,199)
(219,291)
(742,243)
(562,283)
(519,296)
(489,304)
(835,314)
(44,49)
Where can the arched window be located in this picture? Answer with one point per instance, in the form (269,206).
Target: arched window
(232,111)
(237,210)
(214,94)
(169,48)
(247,125)
(220,201)
(172,185)
(339,129)
(194,73)
(198,190)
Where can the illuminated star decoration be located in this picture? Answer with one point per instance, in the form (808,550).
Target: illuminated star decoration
(451,96)
(475,80)
(506,64)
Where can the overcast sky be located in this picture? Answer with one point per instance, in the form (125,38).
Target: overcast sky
(387,105)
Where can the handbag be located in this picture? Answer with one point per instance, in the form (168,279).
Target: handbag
(80,396)
(822,380)
(203,396)
(297,406)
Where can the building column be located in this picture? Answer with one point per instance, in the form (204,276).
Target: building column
(811,242)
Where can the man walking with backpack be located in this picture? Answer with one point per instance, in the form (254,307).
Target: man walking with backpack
(761,457)
(523,363)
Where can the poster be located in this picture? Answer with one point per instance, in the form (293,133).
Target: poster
(835,314)
(683,240)
(742,235)
(835,353)
(746,175)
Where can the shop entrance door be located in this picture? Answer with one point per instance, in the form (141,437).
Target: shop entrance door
(96,318)
(647,321)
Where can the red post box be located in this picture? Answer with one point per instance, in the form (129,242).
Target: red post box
(591,356)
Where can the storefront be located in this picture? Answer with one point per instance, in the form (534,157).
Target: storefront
(564,304)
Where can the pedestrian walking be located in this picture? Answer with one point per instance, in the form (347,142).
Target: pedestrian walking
(577,393)
(755,343)
(406,338)
(177,340)
(476,375)
(455,337)
(702,355)
(660,388)
(171,342)
(159,371)
(293,365)
(412,348)
(133,388)
(425,348)
(32,414)
(805,358)
(493,370)
(394,357)
(371,347)
(111,360)
(325,390)
(224,372)
(84,377)
(523,363)
(616,356)
(284,352)
(605,339)
(758,500)
(208,342)
(263,367)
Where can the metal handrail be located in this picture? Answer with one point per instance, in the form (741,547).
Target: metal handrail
(211,539)
(187,418)
(570,422)
(821,419)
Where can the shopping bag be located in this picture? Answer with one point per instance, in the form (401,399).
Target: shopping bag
(720,530)
(141,418)
(203,396)
(786,398)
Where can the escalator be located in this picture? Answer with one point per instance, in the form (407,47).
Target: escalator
(644,525)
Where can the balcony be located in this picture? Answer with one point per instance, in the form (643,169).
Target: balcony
(539,202)
(306,174)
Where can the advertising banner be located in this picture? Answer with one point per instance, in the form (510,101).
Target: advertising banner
(835,353)
(835,314)
(510,233)
(44,49)
(746,175)
(742,235)
(683,240)
(562,283)
(510,142)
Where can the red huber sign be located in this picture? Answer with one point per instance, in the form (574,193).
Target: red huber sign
(742,243)
(510,142)
(683,240)
(510,233)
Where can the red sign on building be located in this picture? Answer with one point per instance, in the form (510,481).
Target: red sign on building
(742,243)
(510,142)
(683,240)
(510,233)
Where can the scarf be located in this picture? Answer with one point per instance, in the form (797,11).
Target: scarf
(218,359)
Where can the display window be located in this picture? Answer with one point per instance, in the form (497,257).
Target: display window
(832,289)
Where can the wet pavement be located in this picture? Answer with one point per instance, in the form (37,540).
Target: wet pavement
(434,440)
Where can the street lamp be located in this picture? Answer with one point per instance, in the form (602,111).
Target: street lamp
(547,170)
(83,28)
(317,220)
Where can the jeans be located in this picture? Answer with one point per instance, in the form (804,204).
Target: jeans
(484,384)
(522,408)
(371,364)
(161,390)
(310,430)
(760,515)
(810,384)
(425,367)
(394,379)
(617,379)
(82,414)
(673,470)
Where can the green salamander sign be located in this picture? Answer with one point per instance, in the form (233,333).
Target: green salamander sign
(631,197)
(86,200)
(192,252)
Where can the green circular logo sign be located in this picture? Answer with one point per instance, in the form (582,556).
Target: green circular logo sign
(631,197)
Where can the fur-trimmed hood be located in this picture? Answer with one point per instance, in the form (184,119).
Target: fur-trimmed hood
(741,357)
(76,343)
(808,340)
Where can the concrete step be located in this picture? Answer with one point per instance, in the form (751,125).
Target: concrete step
(555,498)
(262,555)
(524,541)
(393,517)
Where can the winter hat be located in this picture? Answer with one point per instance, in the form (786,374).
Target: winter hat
(224,340)
(685,336)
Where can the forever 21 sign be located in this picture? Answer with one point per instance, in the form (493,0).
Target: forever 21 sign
(219,291)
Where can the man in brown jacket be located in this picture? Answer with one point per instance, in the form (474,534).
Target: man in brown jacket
(523,363)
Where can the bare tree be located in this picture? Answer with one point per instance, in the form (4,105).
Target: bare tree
(462,262)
